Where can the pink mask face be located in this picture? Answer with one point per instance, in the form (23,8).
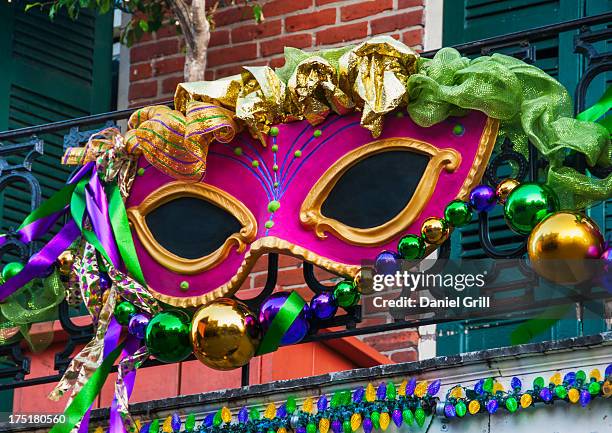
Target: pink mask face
(331,195)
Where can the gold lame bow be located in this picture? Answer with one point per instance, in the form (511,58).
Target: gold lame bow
(313,91)
(375,74)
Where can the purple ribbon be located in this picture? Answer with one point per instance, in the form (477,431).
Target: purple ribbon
(36,229)
(40,262)
(116,421)
(97,208)
(111,340)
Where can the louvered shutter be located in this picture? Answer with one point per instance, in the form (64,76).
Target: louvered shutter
(469,20)
(49,71)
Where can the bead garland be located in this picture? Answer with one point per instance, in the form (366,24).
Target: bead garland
(410,403)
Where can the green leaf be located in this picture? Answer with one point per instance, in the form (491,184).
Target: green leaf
(32,5)
(143,25)
(258,13)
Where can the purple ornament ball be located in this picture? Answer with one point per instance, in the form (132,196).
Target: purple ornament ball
(138,325)
(482,198)
(387,263)
(323,306)
(270,308)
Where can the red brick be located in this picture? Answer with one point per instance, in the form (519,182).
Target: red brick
(396,22)
(413,37)
(146,89)
(235,54)
(344,33)
(393,341)
(365,9)
(219,37)
(169,84)
(324,2)
(166,32)
(140,71)
(249,32)
(286,277)
(169,65)
(228,70)
(209,75)
(288,261)
(405,356)
(154,49)
(296,23)
(276,46)
(403,4)
(283,7)
(231,15)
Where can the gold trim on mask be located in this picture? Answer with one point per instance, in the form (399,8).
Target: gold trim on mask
(214,195)
(310,212)
(268,244)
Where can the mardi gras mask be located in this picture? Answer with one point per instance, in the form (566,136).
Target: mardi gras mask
(331,195)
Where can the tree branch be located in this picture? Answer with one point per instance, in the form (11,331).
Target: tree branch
(181,10)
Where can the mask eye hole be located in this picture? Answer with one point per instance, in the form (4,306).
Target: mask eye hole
(191,227)
(377,190)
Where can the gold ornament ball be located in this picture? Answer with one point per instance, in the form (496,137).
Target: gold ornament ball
(65,261)
(435,230)
(225,334)
(562,245)
(504,189)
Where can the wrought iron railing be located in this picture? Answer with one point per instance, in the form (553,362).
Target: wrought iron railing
(519,44)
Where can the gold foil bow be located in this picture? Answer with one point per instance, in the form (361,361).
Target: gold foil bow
(375,74)
(313,91)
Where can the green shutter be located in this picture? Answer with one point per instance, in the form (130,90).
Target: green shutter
(49,71)
(469,20)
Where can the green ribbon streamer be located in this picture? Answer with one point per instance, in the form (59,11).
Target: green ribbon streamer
(281,323)
(55,203)
(83,400)
(123,236)
(599,109)
(526,331)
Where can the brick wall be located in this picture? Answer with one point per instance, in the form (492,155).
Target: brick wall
(157,65)
(157,60)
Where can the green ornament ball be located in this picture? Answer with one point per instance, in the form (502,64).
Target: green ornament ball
(411,247)
(167,336)
(274,131)
(11,269)
(580,376)
(458,213)
(311,428)
(511,404)
(124,312)
(527,205)
(346,294)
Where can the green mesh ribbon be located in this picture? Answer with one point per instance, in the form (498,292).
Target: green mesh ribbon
(530,104)
(34,303)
